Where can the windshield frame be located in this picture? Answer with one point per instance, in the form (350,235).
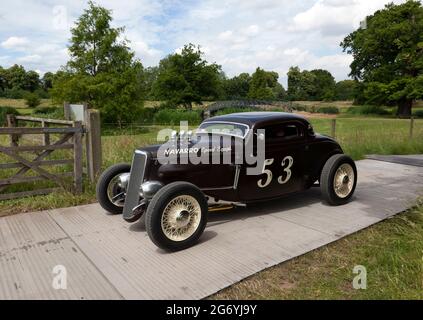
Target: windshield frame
(224,133)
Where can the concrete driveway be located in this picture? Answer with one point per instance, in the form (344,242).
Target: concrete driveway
(98,256)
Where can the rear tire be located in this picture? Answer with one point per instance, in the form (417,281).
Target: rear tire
(103,185)
(176,216)
(338,179)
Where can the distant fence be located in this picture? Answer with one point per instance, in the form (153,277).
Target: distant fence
(69,138)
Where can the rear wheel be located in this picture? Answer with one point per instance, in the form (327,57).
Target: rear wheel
(111,187)
(338,179)
(176,216)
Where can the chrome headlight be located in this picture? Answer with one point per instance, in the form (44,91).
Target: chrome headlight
(150,188)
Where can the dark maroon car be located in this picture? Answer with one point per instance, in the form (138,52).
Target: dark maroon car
(230,160)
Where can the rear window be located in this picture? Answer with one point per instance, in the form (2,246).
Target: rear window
(283,131)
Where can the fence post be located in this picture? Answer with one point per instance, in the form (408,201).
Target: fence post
(66,109)
(93,144)
(77,161)
(11,123)
(411,127)
(333,128)
(46,136)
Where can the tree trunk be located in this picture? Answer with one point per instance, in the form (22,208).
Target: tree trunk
(404,108)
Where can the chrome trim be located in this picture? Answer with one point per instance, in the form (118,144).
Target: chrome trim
(236,179)
(139,162)
(150,188)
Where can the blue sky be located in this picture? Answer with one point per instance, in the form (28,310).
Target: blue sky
(237,34)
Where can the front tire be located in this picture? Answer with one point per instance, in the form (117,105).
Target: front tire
(108,187)
(338,179)
(176,216)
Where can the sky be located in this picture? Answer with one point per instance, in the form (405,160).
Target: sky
(239,35)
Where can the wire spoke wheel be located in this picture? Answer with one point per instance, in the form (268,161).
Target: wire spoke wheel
(343,180)
(116,191)
(181,218)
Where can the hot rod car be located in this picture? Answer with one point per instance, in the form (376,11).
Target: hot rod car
(173,198)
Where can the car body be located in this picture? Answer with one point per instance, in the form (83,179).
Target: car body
(293,160)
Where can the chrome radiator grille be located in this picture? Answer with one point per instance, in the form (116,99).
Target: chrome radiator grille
(136,178)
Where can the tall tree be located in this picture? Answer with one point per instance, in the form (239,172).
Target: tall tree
(264,85)
(345,89)
(237,87)
(388,55)
(301,84)
(102,70)
(184,78)
(324,84)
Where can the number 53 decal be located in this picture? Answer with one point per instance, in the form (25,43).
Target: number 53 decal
(287,163)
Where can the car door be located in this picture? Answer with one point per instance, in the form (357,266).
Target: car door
(283,169)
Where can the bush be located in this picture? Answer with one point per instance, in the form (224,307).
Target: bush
(32,100)
(4,111)
(49,112)
(368,110)
(45,110)
(173,117)
(418,113)
(14,93)
(299,107)
(328,110)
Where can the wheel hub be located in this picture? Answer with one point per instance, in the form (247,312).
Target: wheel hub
(343,180)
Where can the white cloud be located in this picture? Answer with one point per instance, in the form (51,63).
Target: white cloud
(16,43)
(238,34)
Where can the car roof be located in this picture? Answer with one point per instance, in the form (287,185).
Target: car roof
(254,118)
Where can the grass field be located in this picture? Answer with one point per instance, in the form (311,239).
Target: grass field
(391,252)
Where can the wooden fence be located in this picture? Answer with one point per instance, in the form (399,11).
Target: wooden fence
(69,137)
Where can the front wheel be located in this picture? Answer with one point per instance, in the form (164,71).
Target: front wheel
(111,187)
(176,216)
(338,179)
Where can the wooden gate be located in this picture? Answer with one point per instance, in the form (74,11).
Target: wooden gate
(33,158)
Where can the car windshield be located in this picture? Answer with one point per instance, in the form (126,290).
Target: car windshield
(227,128)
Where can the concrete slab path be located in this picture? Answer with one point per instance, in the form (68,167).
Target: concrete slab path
(107,258)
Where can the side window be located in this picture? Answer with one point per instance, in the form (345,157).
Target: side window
(284,131)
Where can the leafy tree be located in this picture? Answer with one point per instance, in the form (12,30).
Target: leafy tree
(102,70)
(47,81)
(150,76)
(237,87)
(345,89)
(324,85)
(388,55)
(301,84)
(264,85)
(184,78)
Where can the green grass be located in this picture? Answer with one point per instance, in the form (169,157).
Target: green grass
(391,251)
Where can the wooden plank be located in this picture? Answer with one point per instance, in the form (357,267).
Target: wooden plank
(25,130)
(38,148)
(78,153)
(28,164)
(46,137)
(53,121)
(39,163)
(17,195)
(20,179)
(93,144)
